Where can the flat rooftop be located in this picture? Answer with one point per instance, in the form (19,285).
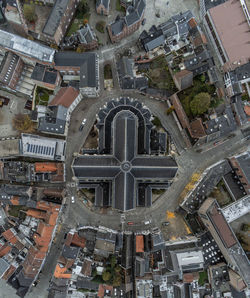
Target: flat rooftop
(26,47)
(230,21)
(9,148)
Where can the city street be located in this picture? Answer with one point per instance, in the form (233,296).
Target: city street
(189,161)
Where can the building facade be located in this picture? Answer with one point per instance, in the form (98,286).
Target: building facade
(59,20)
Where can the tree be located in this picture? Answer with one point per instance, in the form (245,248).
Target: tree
(117,269)
(170,110)
(78,50)
(82,8)
(113,261)
(29,12)
(117,280)
(85,21)
(106,275)
(200,103)
(23,123)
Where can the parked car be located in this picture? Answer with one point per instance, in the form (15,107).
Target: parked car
(130,223)
(82,124)
(165,223)
(73,199)
(143,22)
(147,222)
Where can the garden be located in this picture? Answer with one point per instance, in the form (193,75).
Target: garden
(42,96)
(111,274)
(196,100)
(159,75)
(81,17)
(107,72)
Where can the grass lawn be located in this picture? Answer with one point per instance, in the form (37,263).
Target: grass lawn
(14,210)
(107,72)
(77,22)
(74,27)
(203,278)
(42,96)
(159,75)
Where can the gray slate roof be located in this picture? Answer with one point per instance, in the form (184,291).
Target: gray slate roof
(54,121)
(87,62)
(55,16)
(123,166)
(86,35)
(4,265)
(41,73)
(133,15)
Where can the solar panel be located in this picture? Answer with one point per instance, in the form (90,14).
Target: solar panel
(49,151)
(43,150)
(37,148)
(52,153)
(47,148)
(28,147)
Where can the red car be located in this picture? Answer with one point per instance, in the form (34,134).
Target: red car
(130,223)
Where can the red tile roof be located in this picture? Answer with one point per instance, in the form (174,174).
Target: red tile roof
(102,289)
(9,272)
(197,129)
(222,227)
(78,241)
(8,234)
(4,250)
(247,110)
(192,22)
(139,243)
(45,167)
(65,97)
(15,200)
(43,236)
(61,272)
(36,213)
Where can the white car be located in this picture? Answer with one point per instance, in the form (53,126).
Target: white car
(82,124)
(73,199)
(147,222)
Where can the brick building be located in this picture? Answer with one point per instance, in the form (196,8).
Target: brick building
(30,51)
(102,7)
(46,77)
(225,238)
(59,20)
(11,69)
(87,38)
(83,67)
(127,25)
(57,115)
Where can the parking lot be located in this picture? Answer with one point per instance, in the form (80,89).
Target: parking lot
(7,112)
(177,227)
